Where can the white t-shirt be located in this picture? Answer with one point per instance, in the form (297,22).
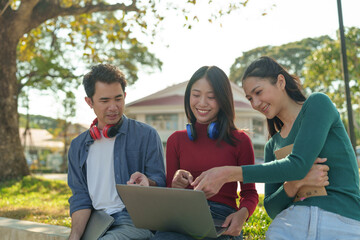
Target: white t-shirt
(101,178)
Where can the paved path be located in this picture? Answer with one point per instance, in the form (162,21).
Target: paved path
(53,176)
(63,176)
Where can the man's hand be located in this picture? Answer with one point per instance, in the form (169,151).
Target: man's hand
(181,179)
(235,222)
(138,178)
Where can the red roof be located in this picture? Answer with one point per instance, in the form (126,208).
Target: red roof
(240,104)
(170,100)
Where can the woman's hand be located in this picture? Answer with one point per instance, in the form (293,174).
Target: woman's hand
(181,179)
(235,222)
(316,177)
(318,174)
(211,181)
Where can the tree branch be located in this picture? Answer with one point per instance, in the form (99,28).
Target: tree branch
(98,8)
(4,9)
(30,75)
(32,13)
(50,9)
(18,22)
(26,8)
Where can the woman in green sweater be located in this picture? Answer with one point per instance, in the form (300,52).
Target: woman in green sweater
(314,127)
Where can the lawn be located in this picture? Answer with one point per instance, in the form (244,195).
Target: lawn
(36,199)
(46,201)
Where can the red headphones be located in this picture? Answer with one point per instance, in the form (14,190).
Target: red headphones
(109,131)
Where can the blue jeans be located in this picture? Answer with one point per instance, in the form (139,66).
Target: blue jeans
(312,223)
(124,229)
(218,211)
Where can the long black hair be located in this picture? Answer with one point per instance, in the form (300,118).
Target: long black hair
(224,97)
(269,68)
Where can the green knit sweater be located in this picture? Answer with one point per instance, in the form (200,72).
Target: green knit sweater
(316,132)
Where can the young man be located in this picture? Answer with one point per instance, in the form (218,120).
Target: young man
(115,150)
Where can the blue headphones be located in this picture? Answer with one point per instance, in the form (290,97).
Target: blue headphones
(212,131)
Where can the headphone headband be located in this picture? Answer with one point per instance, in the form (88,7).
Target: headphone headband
(212,131)
(95,121)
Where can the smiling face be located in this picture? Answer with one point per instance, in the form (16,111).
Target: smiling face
(203,102)
(108,103)
(264,96)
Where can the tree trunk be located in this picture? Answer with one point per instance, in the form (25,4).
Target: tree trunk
(12,160)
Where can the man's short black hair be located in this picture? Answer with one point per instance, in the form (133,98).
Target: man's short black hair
(105,73)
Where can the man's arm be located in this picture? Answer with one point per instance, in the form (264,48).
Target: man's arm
(79,220)
(80,198)
(154,168)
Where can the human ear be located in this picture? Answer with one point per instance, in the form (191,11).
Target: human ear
(281,82)
(89,102)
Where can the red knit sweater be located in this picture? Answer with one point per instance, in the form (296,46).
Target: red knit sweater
(204,153)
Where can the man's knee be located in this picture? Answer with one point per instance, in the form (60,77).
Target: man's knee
(127,232)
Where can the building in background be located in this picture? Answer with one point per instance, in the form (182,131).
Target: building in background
(164,110)
(39,147)
(44,151)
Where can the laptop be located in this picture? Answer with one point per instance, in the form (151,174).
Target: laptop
(170,209)
(99,222)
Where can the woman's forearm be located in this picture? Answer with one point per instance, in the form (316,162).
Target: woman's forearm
(233,174)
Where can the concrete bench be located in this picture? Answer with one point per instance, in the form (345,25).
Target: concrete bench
(13,229)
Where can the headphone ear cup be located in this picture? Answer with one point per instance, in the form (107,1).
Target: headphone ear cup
(94,133)
(213,130)
(110,131)
(190,132)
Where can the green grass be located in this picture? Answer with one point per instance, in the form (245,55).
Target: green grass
(37,200)
(46,201)
(258,223)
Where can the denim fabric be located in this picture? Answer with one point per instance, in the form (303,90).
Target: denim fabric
(124,229)
(218,211)
(312,223)
(137,148)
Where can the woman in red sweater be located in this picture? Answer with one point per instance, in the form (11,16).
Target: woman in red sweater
(209,107)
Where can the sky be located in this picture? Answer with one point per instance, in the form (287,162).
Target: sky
(183,51)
